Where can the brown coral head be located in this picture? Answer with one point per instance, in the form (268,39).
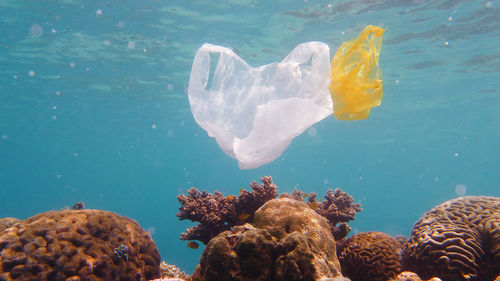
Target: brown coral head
(371,256)
(77,245)
(407,276)
(7,222)
(457,240)
(306,245)
(243,253)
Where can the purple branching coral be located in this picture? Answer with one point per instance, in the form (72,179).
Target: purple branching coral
(338,208)
(217,213)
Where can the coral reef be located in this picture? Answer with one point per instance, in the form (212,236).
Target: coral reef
(169,279)
(217,213)
(338,208)
(457,240)
(306,245)
(243,253)
(172,271)
(287,240)
(77,245)
(411,276)
(7,222)
(371,256)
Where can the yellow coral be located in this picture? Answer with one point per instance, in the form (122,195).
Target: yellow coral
(356,84)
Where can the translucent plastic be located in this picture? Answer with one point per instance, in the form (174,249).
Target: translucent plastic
(356,84)
(254,113)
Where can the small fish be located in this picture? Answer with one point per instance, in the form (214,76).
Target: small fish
(193,245)
(78,206)
(243,216)
(241,190)
(230,198)
(305,195)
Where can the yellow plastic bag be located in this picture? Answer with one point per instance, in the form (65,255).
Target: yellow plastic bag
(356,79)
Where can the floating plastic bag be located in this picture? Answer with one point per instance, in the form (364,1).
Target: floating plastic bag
(254,113)
(356,84)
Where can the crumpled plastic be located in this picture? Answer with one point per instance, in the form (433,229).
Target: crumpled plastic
(254,113)
(356,84)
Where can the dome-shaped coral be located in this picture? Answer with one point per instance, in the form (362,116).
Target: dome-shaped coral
(287,241)
(457,240)
(7,222)
(373,256)
(78,245)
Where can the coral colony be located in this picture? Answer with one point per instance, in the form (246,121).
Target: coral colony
(259,236)
(216,212)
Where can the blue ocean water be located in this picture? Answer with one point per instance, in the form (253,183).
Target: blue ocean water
(93,107)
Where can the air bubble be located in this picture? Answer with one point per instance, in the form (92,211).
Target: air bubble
(312,132)
(36,31)
(460,189)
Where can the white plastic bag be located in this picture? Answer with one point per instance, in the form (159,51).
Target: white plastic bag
(254,113)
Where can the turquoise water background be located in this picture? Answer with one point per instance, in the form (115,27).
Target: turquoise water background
(93,107)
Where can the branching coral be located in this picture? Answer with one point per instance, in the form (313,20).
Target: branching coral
(338,208)
(217,213)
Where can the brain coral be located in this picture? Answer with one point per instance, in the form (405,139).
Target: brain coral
(371,256)
(78,245)
(7,222)
(457,240)
(287,241)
